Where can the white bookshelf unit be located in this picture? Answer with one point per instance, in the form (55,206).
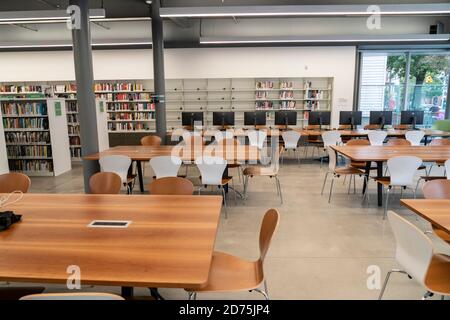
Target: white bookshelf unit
(247,94)
(4,168)
(35,131)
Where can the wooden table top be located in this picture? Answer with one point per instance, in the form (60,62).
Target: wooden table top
(437,212)
(144,153)
(168,243)
(383,153)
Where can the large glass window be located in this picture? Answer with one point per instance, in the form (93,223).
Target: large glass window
(383,85)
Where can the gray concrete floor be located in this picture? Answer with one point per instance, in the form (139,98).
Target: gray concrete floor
(321,250)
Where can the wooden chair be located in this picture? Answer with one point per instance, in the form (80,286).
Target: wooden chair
(438,189)
(439,142)
(229,273)
(402,127)
(360,164)
(171,186)
(14,181)
(151,141)
(345,127)
(372,127)
(73,296)
(105,183)
(398,142)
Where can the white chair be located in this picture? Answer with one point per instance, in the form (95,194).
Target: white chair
(338,171)
(290,139)
(402,171)
(211,170)
(376,137)
(415,255)
(73,296)
(220,135)
(257,138)
(165,166)
(415,137)
(447,168)
(120,165)
(330,138)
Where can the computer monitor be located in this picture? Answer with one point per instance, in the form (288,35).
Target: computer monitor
(223,119)
(256,118)
(412,117)
(381,117)
(191,118)
(285,118)
(319,118)
(352,118)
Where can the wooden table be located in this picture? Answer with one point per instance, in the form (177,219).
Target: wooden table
(241,153)
(380,154)
(168,244)
(437,212)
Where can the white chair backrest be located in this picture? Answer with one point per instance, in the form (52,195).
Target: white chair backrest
(257,138)
(403,169)
(165,166)
(447,168)
(220,135)
(211,169)
(376,137)
(414,136)
(414,249)
(332,163)
(117,164)
(72,296)
(291,139)
(331,138)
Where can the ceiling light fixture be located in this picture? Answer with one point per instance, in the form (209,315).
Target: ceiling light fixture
(43,16)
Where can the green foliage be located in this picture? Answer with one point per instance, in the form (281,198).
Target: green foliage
(421,67)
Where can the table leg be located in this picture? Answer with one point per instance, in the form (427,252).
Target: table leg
(140,176)
(127,292)
(379,185)
(425,140)
(367,174)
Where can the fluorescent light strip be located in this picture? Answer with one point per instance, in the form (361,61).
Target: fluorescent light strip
(69,45)
(40,15)
(131,19)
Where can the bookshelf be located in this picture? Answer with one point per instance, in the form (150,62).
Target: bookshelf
(247,94)
(4,168)
(35,131)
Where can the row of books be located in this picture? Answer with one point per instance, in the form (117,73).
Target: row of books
(264,105)
(25,123)
(27,137)
(131,106)
(20,89)
(287,105)
(128,126)
(75,152)
(43,166)
(29,151)
(286,85)
(264,85)
(71,106)
(24,109)
(314,94)
(69,87)
(73,129)
(131,116)
(72,118)
(75,141)
(120,86)
(125,96)
(286,95)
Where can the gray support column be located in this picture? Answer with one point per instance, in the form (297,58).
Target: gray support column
(82,54)
(447,107)
(158,69)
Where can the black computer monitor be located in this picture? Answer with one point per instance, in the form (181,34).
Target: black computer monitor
(381,117)
(285,118)
(191,118)
(412,117)
(223,119)
(319,118)
(352,118)
(255,118)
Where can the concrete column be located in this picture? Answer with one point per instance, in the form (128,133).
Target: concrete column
(447,108)
(82,53)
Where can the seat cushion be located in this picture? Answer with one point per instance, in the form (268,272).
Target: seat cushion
(437,279)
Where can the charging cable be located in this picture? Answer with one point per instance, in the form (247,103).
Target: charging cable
(5,200)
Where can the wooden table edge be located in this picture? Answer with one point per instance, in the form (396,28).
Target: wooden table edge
(404,202)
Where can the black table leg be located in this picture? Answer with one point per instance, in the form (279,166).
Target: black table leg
(379,185)
(127,292)
(425,140)
(140,176)
(367,174)
(225,175)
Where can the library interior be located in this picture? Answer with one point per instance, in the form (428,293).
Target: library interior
(224,150)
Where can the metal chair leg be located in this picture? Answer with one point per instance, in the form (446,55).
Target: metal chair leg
(388,189)
(224,201)
(350,183)
(324,181)
(331,189)
(279,188)
(386,281)
(266,296)
(192,296)
(235,192)
(366,191)
(427,295)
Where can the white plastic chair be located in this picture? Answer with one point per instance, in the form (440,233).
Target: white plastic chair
(376,137)
(165,166)
(290,139)
(415,137)
(220,135)
(118,164)
(402,171)
(211,170)
(447,168)
(330,138)
(257,138)
(415,254)
(72,296)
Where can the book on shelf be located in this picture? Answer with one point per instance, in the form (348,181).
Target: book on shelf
(287,105)
(286,85)
(29,151)
(131,107)
(264,85)
(24,109)
(264,105)
(31,166)
(27,137)
(118,86)
(20,89)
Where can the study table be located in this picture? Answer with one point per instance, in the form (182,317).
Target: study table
(241,153)
(167,244)
(380,154)
(437,212)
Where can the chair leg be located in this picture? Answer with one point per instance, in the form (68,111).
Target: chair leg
(192,296)
(324,181)
(386,281)
(366,191)
(331,189)
(235,192)
(350,183)
(427,295)
(279,188)
(417,185)
(266,296)
(388,189)
(224,202)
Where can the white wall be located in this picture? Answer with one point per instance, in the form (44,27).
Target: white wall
(336,62)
